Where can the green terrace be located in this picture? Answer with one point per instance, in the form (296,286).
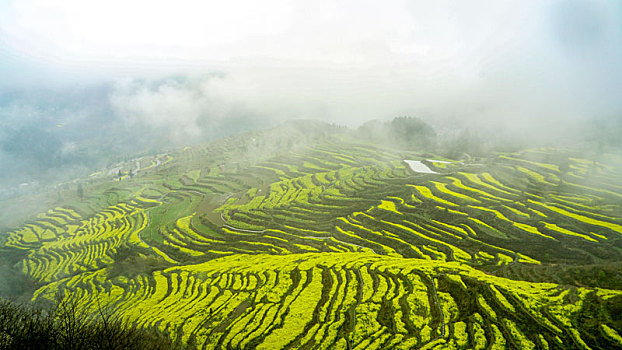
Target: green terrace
(315,240)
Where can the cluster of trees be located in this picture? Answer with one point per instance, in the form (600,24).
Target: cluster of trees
(592,135)
(63,326)
(406,132)
(412,133)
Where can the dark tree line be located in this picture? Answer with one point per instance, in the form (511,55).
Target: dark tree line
(405,132)
(64,326)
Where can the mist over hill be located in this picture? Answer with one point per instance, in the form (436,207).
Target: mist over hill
(50,136)
(311,175)
(77,93)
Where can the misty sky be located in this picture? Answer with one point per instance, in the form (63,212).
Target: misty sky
(501,62)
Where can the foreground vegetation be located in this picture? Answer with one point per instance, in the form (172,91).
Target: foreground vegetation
(305,236)
(65,327)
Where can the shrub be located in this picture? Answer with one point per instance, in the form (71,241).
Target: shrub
(63,326)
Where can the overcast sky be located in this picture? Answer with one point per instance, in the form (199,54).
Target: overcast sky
(344,61)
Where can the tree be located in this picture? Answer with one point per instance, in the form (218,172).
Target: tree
(411,132)
(464,142)
(372,130)
(406,132)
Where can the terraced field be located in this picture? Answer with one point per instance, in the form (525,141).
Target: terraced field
(303,237)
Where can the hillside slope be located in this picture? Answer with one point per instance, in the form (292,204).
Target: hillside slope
(304,237)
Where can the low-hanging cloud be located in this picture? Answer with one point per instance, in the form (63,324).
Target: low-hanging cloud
(512,65)
(183,109)
(178,106)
